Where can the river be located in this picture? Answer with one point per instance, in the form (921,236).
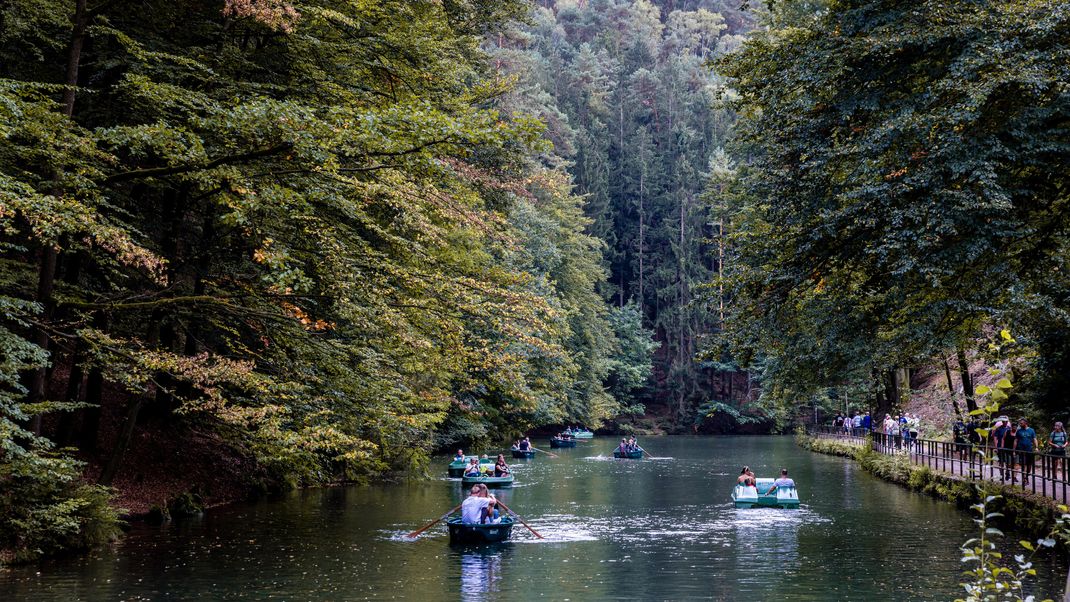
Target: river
(661,528)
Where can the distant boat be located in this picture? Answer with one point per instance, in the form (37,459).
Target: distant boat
(461,532)
(751,497)
(456,468)
(635,454)
(489,480)
(523,453)
(563,442)
(580,433)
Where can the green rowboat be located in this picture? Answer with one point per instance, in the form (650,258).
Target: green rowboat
(523,453)
(631,455)
(456,469)
(759,497)
(463,533)
(580,433)
(489,481)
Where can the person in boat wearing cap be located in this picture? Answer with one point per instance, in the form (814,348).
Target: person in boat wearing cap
(1025,442)
(1004,444)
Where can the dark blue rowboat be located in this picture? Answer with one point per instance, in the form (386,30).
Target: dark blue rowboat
(562,442)
(461,532)
(523,453)
(633,455)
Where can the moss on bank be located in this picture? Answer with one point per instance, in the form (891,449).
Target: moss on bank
(1028,512)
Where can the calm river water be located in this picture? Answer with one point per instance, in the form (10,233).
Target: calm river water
(656,529)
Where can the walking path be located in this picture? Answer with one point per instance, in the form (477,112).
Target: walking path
(1048,479)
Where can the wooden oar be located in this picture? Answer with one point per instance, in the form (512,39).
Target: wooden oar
(545,452)
(520,519)
(434,522)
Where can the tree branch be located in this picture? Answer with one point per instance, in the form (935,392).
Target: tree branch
(154,172)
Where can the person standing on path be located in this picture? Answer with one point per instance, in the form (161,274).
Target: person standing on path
(1025,439)
(1004,447)
(1057,441)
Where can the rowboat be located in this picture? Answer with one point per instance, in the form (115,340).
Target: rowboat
(523,453)
(580,433)
(456,469)
(489,481)
(562,442)
(636,454)
(461,532)
(758,496)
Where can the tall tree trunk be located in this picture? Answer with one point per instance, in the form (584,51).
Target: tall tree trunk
(951,389)
(46,281)
(94,394)
(642,233)
(967,380)
(126,429)
(46,267)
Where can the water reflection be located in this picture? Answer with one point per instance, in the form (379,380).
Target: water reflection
(481,570)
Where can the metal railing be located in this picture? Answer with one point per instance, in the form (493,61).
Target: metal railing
(1043,474)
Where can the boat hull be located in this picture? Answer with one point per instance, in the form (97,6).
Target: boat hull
(759,497)
(583,434)
(461,533)
(559,443)
(632,455)
(519,453)
(493,482)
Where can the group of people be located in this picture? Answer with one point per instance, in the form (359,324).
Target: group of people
(628,444)
(522,444)
(854,424)
(1016,446)
(476,468)
(746,478)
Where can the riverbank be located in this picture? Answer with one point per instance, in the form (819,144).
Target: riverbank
(1033,514)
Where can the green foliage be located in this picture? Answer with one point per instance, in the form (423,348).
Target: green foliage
(44,508)
(329,232)
(904,185)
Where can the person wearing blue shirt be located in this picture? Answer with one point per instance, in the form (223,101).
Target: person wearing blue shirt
(1024,443)
(867,422)
(459,457)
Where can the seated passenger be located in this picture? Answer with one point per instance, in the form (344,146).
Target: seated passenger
(783,481)
(623,447)
(459,457)
(500,467)
(472,470)
(476,506)
(746,477)
(525,444)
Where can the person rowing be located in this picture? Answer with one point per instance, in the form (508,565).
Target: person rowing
(479,506)
(524,444)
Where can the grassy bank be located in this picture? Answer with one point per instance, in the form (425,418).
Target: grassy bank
(1028,512)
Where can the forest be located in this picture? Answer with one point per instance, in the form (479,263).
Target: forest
(294,243)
